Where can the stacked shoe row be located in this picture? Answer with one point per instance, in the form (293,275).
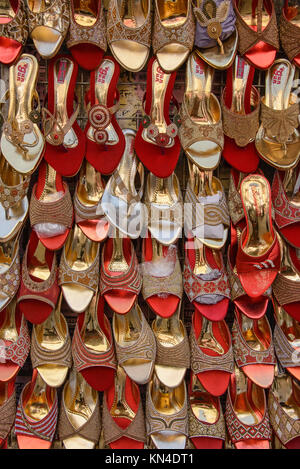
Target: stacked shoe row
(262,258)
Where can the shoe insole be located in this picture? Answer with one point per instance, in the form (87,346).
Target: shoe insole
(10,324)
(90,185)
(86,12)
(134,12)
(172,12)
(243,405)
(7,12)
(287,393)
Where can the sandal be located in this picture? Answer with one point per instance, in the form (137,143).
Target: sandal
(10,271)
(13,201)
(162,277)
(172,350)
(129,26)
(258,255)
(13,30)
(48,25)
(120,277)
(22,143)
(79,270)
(163,201)
(201,132)
(39,289)
(173,33)
(79,423)
(65,141)
(123,417)
(216,38)
(7,411)
(205,280)
(246,414)
(37,414)
(157,144)
(16,342)
(51,348)
(89,215)
(253,349)
(135,345)
(278,138)
(284,410)
(285,198)
(105,140)
(290,32)
(206,213)
(211,353)
(51,209)
(286,286)
(206,420)
(87,38)
(121,200)
(240,103)
(286,340)
(257,30)
(167,424)
(92,346)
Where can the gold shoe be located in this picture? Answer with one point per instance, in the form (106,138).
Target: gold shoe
(79,424)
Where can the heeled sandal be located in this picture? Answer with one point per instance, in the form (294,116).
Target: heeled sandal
(13,30)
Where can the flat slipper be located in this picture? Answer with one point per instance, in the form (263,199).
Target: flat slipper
(87,38)
(51,209)
(39,288)
(65,141)
(105,140)
(93,348)
(13,31)
(157,144)
(162,277)
(120,278)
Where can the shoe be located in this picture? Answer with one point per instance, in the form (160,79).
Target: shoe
(258,255)
(65,141)
(37,414)
(157,144)
(51,210)
(13,30)
(22,143)
(79,270)
(277,140)
(216,38)
(79,423)
(123,417)
(129,28)
(7,411)
(290,32)
(173,33)
(48,25)
(135,345)
(51,348)
(105,141)
(246,414)
(89,215)
(240,102)
(201,131)
(93,348)
(257,30)
(87,38)
(120,278)
(10,275)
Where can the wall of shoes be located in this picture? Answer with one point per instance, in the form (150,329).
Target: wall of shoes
(149,204)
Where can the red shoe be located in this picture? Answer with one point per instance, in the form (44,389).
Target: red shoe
(120,278)
(13,31)
(123,417)
(162,293)
(205,280)
(211,354)
(51,208)
(258,255)
(246,414)
(65,141)
(93,333)
(105,139)
(240,108)
(39,289)
(159,151)
(7,410)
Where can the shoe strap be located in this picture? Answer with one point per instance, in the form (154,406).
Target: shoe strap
(7,416)
(84,212)
(10,196)
(177,356)
(285,213)
(59,211)
(290,37)
(285,427)
(112,432)
(10,278)
(17,352)
(49,121)
(199,429)
(171,285)
(127,194)
(280,122)
(285,352)
(286,290)
(17,28)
